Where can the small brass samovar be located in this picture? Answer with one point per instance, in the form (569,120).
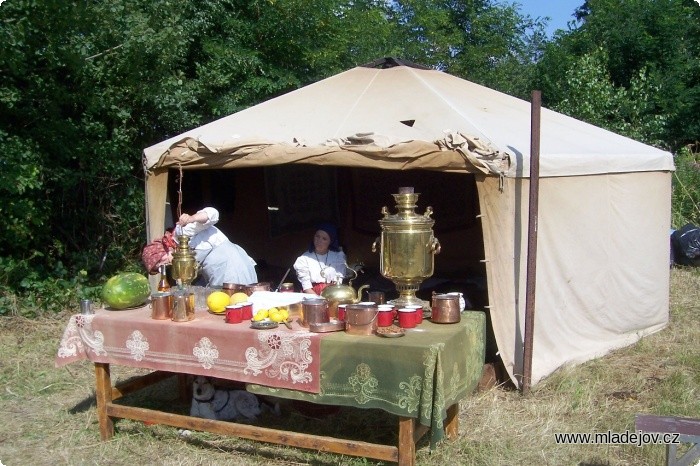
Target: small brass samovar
(407,247)
(184,266)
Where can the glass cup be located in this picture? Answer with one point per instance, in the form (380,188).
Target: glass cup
(201,293)
(376,297)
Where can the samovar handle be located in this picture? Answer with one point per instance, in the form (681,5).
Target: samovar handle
(374,245)
(435,247)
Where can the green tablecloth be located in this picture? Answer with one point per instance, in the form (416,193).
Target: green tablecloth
(419,375)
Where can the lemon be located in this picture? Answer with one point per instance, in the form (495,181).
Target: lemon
(276,316)
(285,315)
(238,297)
(217,302)
(260,315)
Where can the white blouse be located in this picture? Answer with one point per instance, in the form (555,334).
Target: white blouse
(203,236)
(309,266)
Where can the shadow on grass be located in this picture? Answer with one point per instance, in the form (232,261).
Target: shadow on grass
(84,405)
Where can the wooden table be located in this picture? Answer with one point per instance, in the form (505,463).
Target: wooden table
(419,377)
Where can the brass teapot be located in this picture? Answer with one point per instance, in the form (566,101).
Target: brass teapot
(342,294)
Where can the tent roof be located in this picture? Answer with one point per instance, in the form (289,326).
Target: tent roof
(395,109)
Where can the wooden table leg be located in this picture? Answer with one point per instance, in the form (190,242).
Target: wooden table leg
(407,445)
(452,422)
(184,387)
(103,396)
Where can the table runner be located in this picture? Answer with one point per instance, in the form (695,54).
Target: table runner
(419,375)
(206,346)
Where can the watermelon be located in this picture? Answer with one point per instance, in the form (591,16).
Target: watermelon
(126,290)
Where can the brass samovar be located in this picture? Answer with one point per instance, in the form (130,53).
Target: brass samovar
(184,266)
(407,247)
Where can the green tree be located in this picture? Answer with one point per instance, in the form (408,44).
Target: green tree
(686,187)
(591,96)
(86,86)
(650,46)
(484,41)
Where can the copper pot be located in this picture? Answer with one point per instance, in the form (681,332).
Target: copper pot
(445,309)
(253,287)
(231,288)
(314,311)
(361,319)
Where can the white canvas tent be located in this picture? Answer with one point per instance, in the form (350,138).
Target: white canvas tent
(604,200)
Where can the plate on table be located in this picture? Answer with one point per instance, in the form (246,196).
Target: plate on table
(265,324)
(392,331)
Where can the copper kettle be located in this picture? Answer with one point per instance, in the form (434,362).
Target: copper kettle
(342,294)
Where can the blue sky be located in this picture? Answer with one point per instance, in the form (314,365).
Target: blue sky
(559,11)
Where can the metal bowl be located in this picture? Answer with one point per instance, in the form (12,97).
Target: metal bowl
(263,325)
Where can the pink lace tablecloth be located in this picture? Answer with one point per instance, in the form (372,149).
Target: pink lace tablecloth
(279,358)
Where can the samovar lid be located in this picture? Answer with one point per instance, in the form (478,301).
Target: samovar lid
(406,200)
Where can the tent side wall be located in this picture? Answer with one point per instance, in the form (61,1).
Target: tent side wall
(602,265)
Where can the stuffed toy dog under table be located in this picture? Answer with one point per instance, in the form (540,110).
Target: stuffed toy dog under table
(210,402)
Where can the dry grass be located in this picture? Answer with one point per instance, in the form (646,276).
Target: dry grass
(48,414)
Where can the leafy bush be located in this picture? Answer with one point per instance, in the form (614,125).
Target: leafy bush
(38,293)
(686,188)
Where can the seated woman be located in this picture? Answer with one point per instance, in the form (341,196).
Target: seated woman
(323,263)
(221,261)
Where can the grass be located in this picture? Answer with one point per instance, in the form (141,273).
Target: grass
(48,415)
